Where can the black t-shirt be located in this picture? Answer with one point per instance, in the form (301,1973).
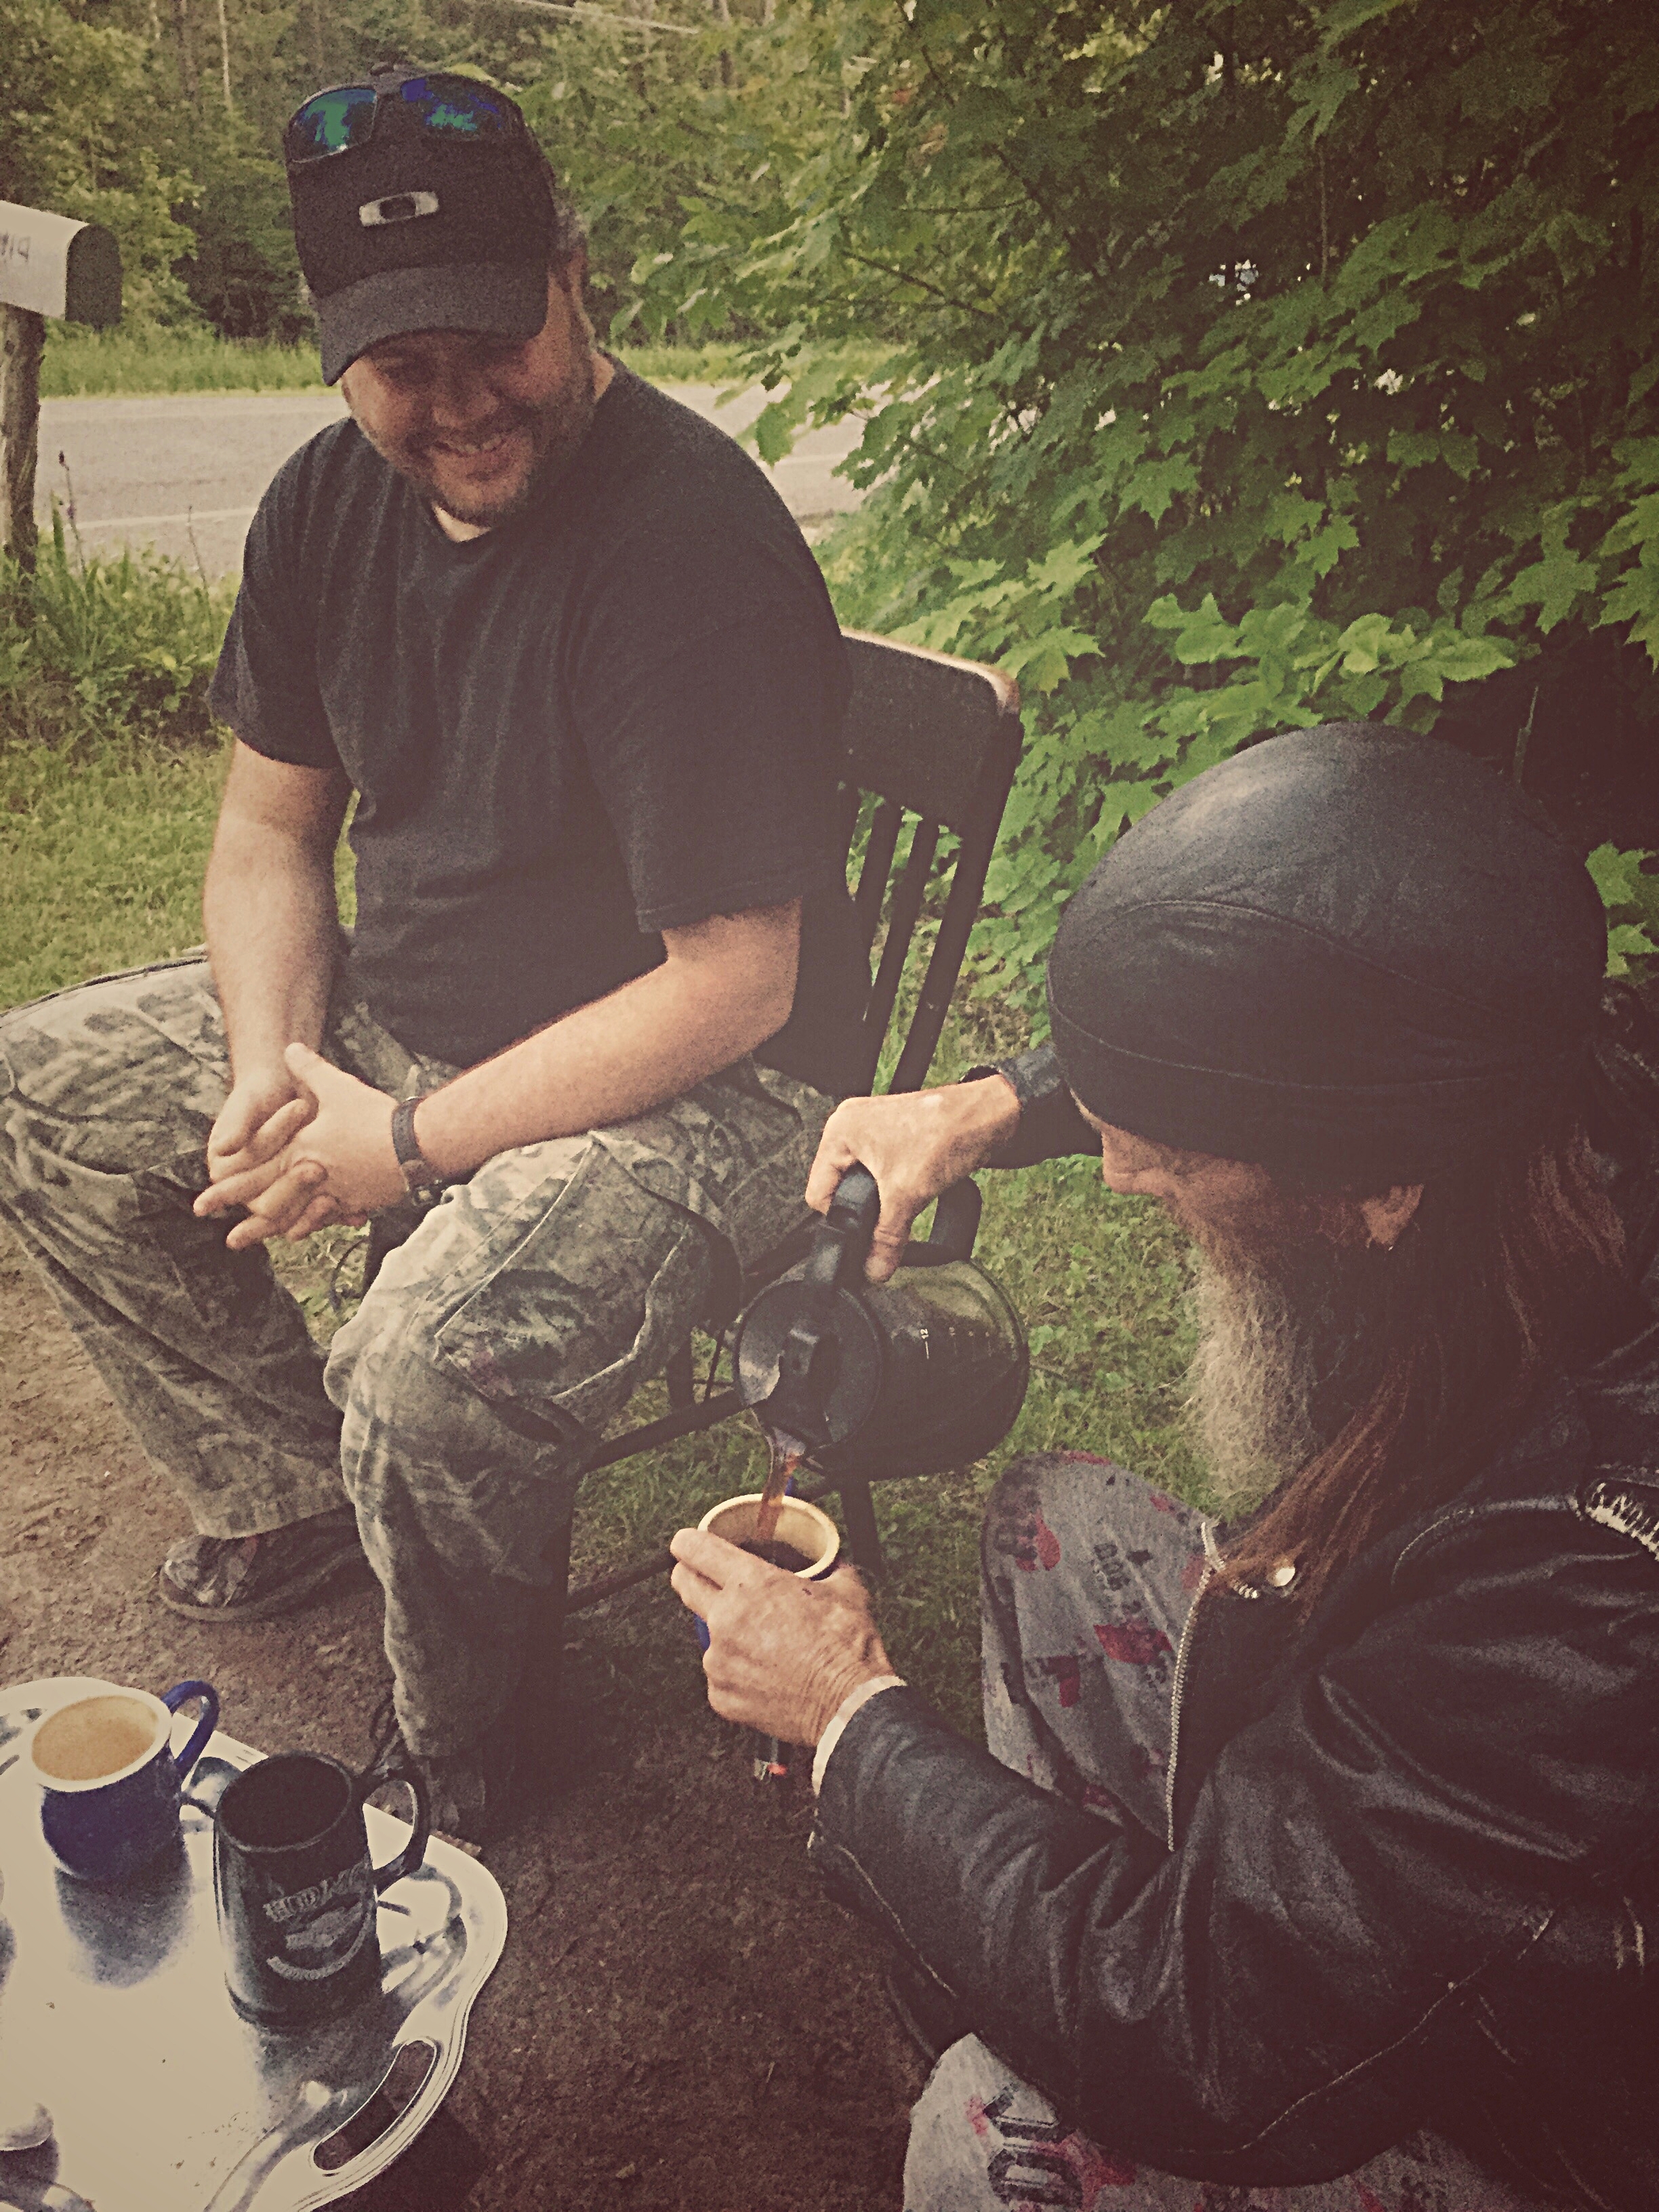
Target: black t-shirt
(614,713)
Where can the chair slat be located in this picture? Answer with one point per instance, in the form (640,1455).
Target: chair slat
(944,964)
(849,801)
(901,919)
(878,860)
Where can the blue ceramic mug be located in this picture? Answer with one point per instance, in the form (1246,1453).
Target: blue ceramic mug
(110,1781)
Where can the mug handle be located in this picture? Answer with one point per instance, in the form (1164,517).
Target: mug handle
(407,1860)
(180,1694)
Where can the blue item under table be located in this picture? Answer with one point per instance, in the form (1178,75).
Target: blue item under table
(115,2020)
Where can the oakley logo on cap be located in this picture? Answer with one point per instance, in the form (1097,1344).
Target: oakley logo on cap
(397,207)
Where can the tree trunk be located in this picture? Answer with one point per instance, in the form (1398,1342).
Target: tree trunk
(224,52)
(185,33)
(22,337)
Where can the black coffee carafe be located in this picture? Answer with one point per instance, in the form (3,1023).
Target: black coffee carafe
(878,1380)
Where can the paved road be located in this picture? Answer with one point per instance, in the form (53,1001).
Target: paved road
(182,472)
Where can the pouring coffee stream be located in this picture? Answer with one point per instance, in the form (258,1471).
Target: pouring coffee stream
(872,1380)
(770,1760)
(784,1455)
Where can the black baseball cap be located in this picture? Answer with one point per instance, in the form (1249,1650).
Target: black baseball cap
(422,202)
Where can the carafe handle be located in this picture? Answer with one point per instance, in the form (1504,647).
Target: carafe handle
(955,1221)
(841,1242)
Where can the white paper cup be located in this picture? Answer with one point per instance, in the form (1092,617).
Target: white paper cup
(807,1529)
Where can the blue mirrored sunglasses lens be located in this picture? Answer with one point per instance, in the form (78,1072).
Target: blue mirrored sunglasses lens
(333,120)
(455,109)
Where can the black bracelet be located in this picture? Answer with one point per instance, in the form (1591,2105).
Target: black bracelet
(422,1181)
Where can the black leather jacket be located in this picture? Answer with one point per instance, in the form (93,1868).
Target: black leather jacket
(1410,1873)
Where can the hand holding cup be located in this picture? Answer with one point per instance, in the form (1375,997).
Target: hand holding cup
(783,1652)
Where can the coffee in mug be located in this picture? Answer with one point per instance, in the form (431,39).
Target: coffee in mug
(93,1739)
(110,1781)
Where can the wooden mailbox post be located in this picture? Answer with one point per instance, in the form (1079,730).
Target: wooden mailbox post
(49,264)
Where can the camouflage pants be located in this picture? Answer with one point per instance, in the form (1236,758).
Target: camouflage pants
(1088,1576)
(460,1404)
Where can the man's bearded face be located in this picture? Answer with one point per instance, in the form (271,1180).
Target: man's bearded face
(1290,1293)
(472,420)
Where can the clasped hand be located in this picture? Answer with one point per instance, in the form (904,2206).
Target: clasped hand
(301,1146)
(783,1654)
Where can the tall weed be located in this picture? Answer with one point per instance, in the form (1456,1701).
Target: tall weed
(94,648)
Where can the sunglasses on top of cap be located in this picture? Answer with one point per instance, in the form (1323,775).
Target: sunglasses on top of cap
(435,104)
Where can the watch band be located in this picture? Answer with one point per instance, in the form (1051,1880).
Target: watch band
(1032,1075)
(422,1181)
(1050,1126)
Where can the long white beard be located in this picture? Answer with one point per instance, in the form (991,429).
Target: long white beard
(1250,1387)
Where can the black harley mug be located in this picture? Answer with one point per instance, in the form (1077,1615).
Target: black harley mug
(296,1889)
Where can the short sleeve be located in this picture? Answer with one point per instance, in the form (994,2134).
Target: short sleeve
(710,723)
(266,684)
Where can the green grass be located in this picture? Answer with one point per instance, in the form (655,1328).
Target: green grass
(101,854)
(84,364)
(102,849)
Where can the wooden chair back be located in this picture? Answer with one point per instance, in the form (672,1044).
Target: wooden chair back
(937,739)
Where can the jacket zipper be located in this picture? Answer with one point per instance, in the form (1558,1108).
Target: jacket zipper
(1182,1655)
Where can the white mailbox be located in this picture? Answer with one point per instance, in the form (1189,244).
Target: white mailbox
(53,265)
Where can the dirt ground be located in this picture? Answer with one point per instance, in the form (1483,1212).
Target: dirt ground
(680,2018)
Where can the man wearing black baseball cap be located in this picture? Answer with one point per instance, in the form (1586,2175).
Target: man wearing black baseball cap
(562,643)
(1314,1846)
(446,217)
(422,205)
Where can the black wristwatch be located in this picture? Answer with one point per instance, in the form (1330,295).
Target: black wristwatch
(424,1184)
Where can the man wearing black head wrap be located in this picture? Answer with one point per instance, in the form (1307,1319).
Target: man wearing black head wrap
(1327,1858)
(1348,955)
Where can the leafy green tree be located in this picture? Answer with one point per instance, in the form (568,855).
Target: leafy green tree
(1250,365)
(643,125)
(631,100)
(84,131)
